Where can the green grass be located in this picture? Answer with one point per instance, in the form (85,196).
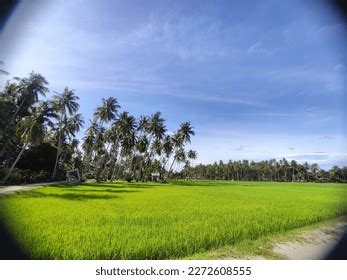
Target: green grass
(154,221)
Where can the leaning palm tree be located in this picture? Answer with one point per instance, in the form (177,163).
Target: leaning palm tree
(143,125)
(167,149)
(192,155)
(182,137)
(157,129)
(27,94)
(29,90)
(32,129)
(65,103)
(177,144)
(126,125)
(186,131)
(71,125)
(103,114)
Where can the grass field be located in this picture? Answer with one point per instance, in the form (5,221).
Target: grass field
(154,221)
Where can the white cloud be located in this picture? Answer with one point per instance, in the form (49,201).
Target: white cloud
(321,158)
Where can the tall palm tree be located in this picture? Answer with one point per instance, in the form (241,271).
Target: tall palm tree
(186,131)
(143,125)
(71,125)
(177,143)
(28,91)
(32,129)
(157,131)
(127,125)
(182,137)
(192,154)
(114,138)
(66,103)
(103,114)
(167,148)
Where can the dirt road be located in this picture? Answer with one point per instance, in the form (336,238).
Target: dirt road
(14,189)
(312,244)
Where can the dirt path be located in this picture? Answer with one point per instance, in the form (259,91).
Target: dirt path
(312,244)
(14,189)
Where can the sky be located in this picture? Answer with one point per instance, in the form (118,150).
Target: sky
(257,79)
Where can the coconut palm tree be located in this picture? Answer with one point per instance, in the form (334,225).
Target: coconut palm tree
(114,138)
(186,131)
(182,137)
(103,114)
(65,103)
(143,125)
(177,143)
(167,149)
(71,125)
(32,129)
(127,125)
(192,155)
(29,90)
(157,130)
(27,94)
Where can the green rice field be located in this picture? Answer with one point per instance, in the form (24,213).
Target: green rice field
(161,221)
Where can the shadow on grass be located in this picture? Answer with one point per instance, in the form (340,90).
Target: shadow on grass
(201,183)
(110,191)
(69,196)
(116,185)
(120,185)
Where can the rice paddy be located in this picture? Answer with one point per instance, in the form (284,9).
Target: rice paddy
(161,221)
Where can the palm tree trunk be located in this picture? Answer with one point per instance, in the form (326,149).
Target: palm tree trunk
(102,163)
(14,164)
(116,166)
(59,144)
(17,111)
(89,156)
(168,173)
(57,157)
(146,155)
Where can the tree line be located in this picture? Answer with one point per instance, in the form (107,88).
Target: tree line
(267,170)
(38,138)
(38,143)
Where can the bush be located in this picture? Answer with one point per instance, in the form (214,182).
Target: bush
(26,176)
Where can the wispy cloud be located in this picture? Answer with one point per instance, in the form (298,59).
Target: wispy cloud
(258,48)
(320,158)
(197,37)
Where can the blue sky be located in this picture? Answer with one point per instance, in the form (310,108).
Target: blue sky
(257,79)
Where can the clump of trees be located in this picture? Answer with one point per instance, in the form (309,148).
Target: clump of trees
(38,138)
(268,170)
(130,148)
